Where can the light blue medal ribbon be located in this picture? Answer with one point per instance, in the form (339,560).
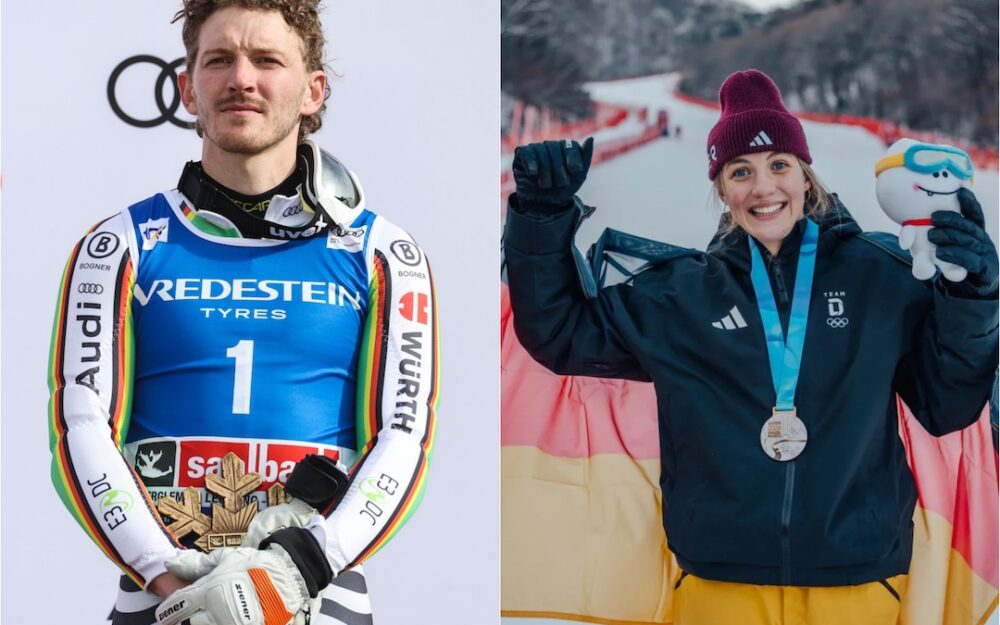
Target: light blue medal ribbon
(783,436)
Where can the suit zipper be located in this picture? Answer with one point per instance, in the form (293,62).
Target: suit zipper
(786,518)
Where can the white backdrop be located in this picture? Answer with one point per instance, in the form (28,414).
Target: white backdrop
(413,113)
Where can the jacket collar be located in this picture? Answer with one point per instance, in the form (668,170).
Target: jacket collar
(835,225)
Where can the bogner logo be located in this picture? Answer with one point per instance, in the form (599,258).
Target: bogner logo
(407,252)
(102,245)
(248,290)
(409,382)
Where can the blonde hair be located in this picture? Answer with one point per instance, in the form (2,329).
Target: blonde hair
(817,201)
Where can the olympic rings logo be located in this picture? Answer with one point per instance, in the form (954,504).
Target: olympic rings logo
(91,288)
(837,322)
(168,111)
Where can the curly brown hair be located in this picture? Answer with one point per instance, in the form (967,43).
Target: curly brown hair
(301,15)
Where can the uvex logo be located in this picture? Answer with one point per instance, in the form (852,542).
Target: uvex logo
(293,233)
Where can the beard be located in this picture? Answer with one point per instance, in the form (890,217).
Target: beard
(247,137)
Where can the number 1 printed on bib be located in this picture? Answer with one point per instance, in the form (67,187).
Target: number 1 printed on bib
(243,353)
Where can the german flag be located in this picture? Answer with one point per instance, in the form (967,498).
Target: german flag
(581,531)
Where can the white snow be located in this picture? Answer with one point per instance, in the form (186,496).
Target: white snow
(661,190)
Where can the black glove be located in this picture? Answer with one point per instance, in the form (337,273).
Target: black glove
(962,240)
(549,174)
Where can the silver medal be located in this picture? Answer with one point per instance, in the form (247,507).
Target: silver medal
(784,435)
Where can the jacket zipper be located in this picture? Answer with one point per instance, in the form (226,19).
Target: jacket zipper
(786,517)
(779,281)
(786,503)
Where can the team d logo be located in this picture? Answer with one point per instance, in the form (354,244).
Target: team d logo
(835,309)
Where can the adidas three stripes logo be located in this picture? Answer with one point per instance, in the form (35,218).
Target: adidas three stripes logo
(761,139)
(733,321)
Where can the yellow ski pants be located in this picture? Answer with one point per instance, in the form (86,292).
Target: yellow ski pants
(703,602)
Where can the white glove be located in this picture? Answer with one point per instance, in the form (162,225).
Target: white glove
(236,587)
(295,513)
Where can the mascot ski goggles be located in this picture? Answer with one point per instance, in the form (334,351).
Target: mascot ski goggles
(928,159)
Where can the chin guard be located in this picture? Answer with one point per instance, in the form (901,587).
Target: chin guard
(328,187)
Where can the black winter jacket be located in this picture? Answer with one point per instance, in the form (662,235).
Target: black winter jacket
(841,513)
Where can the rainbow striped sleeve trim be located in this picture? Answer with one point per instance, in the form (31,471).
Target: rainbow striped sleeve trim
(110,289)
(390,338)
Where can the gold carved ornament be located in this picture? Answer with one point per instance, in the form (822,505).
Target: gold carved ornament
(227,526)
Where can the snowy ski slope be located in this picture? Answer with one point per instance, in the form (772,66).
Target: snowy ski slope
(662,190)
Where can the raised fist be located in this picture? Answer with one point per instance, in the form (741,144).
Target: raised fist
(549,174)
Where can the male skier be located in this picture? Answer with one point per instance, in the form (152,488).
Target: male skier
(257,309)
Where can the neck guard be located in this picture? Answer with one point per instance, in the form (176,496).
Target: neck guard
(328,189)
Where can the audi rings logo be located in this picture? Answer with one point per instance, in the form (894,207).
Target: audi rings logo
(837,322)
(168,110)
(91,288)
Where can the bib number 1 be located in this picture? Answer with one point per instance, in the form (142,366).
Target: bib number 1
(242,352)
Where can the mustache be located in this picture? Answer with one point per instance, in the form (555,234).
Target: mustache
(242,101)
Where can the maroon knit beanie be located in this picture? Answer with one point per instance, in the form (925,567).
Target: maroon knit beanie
(754,119)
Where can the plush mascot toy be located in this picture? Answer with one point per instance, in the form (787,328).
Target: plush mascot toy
(914,180)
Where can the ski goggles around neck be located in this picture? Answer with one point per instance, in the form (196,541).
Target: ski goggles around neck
(925,158)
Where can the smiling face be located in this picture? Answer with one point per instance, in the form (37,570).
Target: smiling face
(248,85)
(766,193)
(907,195)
